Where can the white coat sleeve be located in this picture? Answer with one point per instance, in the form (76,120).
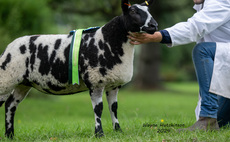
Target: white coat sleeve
(214,14)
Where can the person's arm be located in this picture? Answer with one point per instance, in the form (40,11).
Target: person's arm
(214,14)
(165,37)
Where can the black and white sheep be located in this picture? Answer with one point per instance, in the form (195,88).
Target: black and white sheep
(105,63)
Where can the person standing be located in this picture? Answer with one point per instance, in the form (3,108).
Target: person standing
(209,27)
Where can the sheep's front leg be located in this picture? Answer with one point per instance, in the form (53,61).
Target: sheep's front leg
(112,101)
(96,98)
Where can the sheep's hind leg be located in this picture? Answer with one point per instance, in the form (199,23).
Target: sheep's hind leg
(96,98)
(11,104)
(3,98)
(112,101)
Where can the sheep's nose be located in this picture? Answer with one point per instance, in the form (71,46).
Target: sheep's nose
(153,25)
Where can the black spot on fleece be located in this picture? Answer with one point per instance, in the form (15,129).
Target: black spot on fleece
(114,36)
(7,60)
(57,67)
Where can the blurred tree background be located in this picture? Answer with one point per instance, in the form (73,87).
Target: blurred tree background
(154,63)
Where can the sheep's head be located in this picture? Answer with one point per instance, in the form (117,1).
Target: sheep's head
(137,17)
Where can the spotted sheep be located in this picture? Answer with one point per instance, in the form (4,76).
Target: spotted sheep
(105,63)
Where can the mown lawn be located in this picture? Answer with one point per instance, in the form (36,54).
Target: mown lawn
(143,116)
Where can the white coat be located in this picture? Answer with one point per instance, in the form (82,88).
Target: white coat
(211,23)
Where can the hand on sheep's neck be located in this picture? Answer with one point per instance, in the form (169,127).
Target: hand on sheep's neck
(141,38)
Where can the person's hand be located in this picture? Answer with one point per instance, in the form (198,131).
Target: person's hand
(140,38)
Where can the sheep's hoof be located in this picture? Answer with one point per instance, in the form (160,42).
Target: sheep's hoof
(118,128)
(99,134)
(9,135)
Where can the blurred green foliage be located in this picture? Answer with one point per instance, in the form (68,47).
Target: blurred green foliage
(176,61)
(27,17)
(22,17)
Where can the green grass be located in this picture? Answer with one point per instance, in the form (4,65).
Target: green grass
(71,118)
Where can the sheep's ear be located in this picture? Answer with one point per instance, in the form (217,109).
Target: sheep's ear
(125,6)
(147,2)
